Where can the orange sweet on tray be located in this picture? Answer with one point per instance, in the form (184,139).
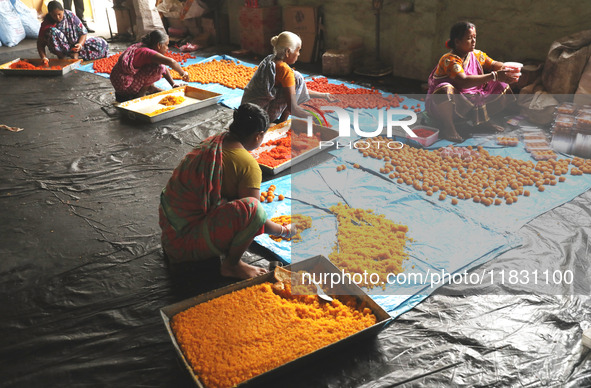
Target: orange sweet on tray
(105,65)
(301,142)
(24,65)
(240,335)
(510,141)
(172,100)
(161,110)
(278,154)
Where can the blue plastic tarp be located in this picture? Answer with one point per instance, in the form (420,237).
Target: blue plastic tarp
(444,242)
(448,239)
(504,217)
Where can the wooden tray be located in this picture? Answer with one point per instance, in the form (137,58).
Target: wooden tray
(66,66)
(142,108)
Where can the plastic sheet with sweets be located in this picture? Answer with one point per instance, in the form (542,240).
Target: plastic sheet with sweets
(502,218)
(441,240)
(459,245)
(230,97)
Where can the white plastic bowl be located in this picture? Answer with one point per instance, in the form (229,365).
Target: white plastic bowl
(514,65)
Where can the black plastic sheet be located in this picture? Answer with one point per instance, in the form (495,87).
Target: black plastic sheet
(82,275)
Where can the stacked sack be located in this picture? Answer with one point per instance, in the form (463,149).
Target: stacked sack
(17,22)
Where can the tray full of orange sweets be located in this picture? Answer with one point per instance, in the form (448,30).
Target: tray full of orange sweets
(35,66)
(288,143)
(252,331)
(168,103)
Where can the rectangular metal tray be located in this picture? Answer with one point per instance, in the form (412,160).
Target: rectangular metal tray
(141,108)
(66,65)
(316,264)
(298,126)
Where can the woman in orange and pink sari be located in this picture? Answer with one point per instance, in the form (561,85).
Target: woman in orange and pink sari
(467,85)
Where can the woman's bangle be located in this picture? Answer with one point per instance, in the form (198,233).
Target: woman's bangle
(494,74)
(284,231)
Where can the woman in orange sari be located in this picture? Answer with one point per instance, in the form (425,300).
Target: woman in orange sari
(467,84)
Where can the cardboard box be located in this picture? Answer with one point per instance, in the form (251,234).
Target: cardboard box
(173,22)
(256,43)
(266,19)
(303,21)
(208,26)
(125,18)
(257,27)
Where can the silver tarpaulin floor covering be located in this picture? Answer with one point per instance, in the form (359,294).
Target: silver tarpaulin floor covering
(82,275)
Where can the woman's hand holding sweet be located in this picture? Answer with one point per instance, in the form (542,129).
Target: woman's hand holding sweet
(185,76)
(287,231)
(76,47)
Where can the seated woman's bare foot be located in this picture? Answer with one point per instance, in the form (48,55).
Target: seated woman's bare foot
(240,270)
(497,128)
(452,136)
